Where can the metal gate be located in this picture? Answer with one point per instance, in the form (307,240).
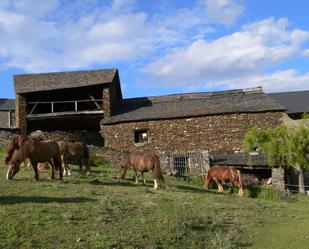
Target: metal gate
(189,162)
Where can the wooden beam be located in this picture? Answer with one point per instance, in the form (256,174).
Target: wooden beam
(36,103)
(94,101)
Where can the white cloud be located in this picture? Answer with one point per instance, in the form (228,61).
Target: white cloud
(223,11)
(305,53)
(54,39)
(237,56)
(121,4)
(279,81)
(170,47)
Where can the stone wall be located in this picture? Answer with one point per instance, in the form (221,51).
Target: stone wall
(277,176)
(21,113)
(216,133)
(4,119)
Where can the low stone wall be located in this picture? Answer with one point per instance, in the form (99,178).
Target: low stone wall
(85,136)
(6,136)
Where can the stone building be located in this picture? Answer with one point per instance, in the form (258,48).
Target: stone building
(66,100)
(7,113)
(182,122)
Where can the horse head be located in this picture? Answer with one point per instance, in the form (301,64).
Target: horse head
(122,171)
(13,169)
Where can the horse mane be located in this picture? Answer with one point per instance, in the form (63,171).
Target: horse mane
(10,150)
(23,153)
(157,168)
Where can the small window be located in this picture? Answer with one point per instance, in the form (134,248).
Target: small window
(141,136)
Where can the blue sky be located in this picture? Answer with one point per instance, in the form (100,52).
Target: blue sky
(159,46)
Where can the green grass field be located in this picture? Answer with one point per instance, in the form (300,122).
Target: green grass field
(97,211)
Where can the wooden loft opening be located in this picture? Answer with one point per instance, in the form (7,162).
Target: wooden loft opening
(81,100)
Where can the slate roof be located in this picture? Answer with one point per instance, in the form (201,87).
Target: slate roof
(25,83)
(7,104)
(196,104)
(294,102)
(238,159)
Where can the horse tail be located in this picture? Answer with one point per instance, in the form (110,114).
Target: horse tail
(57,156)
(57,161)
(157,169)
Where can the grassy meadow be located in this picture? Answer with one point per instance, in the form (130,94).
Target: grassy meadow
(97,211)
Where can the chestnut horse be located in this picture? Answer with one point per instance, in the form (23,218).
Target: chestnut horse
(225,173)
(74,153)
(38,152)
(142,162)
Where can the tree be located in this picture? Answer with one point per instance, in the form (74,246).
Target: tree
(283,146)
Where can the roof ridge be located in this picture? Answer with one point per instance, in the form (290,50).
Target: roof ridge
(198,95)
(64,72)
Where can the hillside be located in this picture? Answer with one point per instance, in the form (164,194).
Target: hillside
(97,211)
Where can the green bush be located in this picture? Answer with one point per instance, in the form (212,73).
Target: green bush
(265,193)
(96,161)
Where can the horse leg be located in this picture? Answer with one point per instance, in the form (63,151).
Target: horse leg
(144,181)
(80,166)
(136,177)
(207,181)
(63,166)
(53,169)
(68,169)
(86,165)
(36,172)
(220,188)
(155,184)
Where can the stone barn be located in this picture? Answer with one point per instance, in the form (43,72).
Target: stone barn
(214,121)
(7,113)
(66,100)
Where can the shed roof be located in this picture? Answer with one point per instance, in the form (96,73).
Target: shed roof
(7,104)
(190,105)
(238,159)
(25,83)
(294,102)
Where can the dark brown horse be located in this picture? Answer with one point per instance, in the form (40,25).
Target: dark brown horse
(224,173)
(143,162)
(74,153)
(37,152)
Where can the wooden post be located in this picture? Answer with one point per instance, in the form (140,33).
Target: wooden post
(76,106)
(9,119)
(52,106)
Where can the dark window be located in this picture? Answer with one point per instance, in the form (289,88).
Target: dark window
(141,136)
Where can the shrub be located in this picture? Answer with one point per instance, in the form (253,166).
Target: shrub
(265,193)
(96,161)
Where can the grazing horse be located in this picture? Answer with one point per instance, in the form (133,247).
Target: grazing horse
(142,162)
(37,152)
(225,173)
(75,153)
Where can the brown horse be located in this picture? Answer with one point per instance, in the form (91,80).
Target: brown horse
(75,153)
(225,173)
(142,162)
(37,152)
